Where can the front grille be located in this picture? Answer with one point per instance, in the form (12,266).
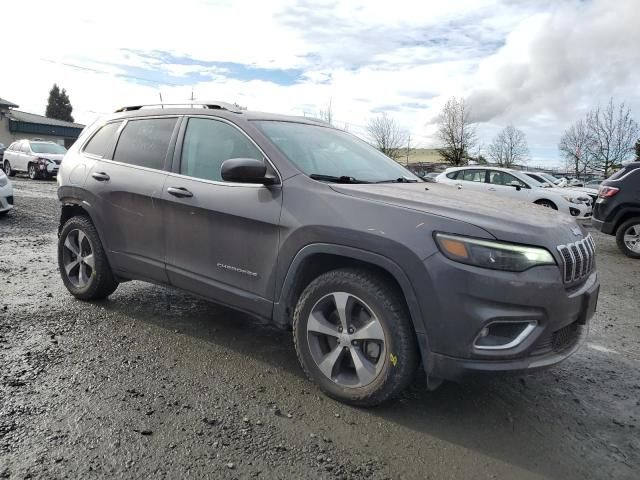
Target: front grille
(58,162)
(565,337)
(578,259)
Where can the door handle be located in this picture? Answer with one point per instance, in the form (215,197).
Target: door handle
(492,189)
(179,192)
(100,176)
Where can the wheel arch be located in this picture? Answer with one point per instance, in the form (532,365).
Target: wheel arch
(316,259)
(625,215)
(540,200)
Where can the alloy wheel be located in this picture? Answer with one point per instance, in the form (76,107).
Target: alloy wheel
(346,340)
(632,238)
(78,259)
(32,172)
(7,168)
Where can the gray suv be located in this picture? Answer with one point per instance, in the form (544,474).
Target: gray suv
(300,223)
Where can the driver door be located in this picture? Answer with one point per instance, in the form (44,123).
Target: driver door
(507,185)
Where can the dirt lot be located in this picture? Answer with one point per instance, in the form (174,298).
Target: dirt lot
(155,383)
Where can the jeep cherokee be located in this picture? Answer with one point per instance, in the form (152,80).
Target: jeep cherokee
(300,223)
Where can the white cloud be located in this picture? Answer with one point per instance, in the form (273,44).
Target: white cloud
(535,64)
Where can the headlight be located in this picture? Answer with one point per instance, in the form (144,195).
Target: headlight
(492,254)
(577,200)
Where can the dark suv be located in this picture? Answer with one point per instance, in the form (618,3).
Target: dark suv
(617,210)
(292,220)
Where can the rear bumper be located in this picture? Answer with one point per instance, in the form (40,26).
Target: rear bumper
(604,227)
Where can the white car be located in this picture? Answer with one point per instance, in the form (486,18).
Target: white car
(552,181)
(38,158)
(515,184)
(6,194)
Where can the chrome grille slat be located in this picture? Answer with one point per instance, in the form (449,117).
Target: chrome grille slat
(578,259)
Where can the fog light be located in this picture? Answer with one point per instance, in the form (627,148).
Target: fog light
(503,335)
(574,211)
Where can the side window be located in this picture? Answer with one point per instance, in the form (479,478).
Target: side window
(102,143)
(208,143)
(504,178)
(473,175)
(145,142)
(453,175)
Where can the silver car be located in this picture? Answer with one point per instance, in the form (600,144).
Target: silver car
(38,158)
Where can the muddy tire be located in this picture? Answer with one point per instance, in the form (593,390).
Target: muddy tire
(354,337)
(628,238)
(83,264)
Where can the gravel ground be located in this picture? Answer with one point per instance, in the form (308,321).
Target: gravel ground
(154,382)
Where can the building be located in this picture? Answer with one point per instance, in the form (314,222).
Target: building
(16,125)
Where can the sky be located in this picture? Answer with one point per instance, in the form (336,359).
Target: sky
(539,64)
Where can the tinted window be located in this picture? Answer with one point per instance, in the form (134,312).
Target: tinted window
(208,143)
(504,178)
(473,175)
(102,143)
(453,175)
(619,173)
(145,142)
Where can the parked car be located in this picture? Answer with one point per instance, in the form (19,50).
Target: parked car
(595,184)
(305,225)
(2,149)
(38,158)
(518,186)
(430,177)
(551,181)
(6,194)
(617,211)
(574,182)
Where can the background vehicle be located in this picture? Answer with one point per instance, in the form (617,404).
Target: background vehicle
(6,194)
(595,184)
(617,211)
(2,149)
(518,186)
(305,225)
(551,181)
(37,158)
(430,177)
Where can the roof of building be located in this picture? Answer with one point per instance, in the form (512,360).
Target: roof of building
(7,103)
(19,116)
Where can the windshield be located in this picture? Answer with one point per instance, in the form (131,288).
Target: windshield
(47,148)
(328,152)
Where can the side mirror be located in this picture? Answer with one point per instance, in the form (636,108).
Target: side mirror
(246,170)
(516,185)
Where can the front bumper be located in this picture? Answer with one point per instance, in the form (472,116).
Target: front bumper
(6,203)
(470,298)
(580,211)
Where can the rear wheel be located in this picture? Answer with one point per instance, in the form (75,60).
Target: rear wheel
(7,169)
(547,204)
(354,337)
(628,237)
(82,261)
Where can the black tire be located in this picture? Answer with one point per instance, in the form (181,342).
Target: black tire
(401,358)
(547,204)
(8,170)
(622,229)
(101,283)
(33,173)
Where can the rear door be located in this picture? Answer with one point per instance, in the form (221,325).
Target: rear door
(221,237)
(19,161)
(127,186)
(473,179)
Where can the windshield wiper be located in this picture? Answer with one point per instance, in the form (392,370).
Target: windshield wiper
(331,178)
(399,180)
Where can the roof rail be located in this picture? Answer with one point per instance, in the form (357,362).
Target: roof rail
(211,105)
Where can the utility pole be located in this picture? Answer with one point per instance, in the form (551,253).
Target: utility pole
(408,147)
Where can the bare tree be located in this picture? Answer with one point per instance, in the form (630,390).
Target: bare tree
(456,133)
(509,147)
(574,147)
(326,114)
(612,136)
(408,150)
(387,136)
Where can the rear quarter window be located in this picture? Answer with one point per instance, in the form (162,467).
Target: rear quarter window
(144,143)
(104,141)
(453,175)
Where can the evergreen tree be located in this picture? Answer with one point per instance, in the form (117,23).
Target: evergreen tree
(638,150)
(59,106)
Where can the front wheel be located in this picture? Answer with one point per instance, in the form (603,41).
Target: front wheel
(547,204)
(354,337)
(82,261)
(33,173)
(628,237)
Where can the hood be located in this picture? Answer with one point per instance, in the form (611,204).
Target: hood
(568,191)
(51,156)
(505,219)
